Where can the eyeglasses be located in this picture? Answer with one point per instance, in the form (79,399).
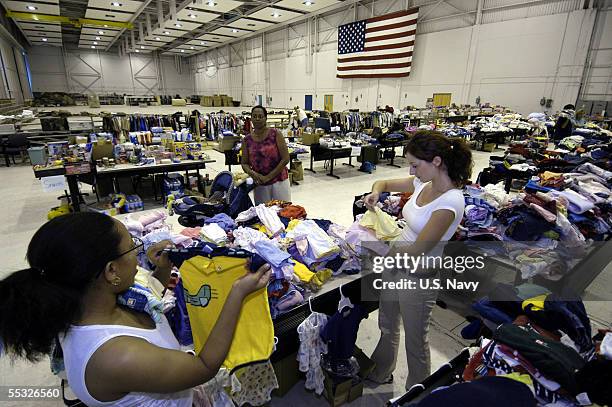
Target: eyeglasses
(138,245)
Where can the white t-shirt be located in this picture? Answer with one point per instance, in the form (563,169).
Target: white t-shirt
(301,114)
(80,343)
(417,216)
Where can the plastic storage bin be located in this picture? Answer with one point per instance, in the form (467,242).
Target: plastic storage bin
(38,155)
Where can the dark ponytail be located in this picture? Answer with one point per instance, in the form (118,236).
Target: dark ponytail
(65,256)
(454,152)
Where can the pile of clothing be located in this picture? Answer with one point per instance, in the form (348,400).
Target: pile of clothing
(542,341)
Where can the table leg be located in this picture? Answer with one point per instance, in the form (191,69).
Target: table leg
(350,163)
(116,184)
(73,186)
(311,162)
(393,158)
(331,168)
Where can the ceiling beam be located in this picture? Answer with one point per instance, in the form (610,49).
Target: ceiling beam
(77,22)
(142,7)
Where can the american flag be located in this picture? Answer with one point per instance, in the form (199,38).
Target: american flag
(379,47)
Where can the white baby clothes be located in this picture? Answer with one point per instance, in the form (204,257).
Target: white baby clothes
(311,348)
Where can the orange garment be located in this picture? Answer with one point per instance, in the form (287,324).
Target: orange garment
(293,212)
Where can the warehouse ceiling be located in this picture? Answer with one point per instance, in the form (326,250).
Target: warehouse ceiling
(133,26)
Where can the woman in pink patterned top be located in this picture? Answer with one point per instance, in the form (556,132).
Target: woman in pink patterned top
(265,157)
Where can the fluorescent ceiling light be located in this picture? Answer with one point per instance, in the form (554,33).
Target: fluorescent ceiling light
(182,50)
(105,26)
(115,4)
(93,46)
(276,14)
(136,50)
(101,32)
(98,38)
(167,32)
(157,39)
(201,42)
(193,15)
(192,47)
(308,3)
(211,4)
(44,40)
(177,25)
(234,30)
(142,47)
(95,43)
(31,8)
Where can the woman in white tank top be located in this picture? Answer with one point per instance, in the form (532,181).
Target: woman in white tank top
(79,263)
(439,167)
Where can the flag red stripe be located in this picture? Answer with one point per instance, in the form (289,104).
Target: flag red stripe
(392,15)
(391,36)
(376,57)
(376,75)
(378,66)
(391,26)
(389,46)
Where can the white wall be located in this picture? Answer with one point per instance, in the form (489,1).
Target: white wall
(513,63)
(13,77)
(84,71)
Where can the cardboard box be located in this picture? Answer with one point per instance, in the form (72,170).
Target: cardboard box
(338,392)
(226,143)
(310,138)
(287,373)
(297,170)
(101,150)
(489,147)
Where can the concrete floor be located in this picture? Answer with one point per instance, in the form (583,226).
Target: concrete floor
(26,206)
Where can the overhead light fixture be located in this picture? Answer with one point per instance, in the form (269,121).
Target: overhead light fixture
(101,32)
(115,4)
(105,25)
(201,42)
(211,4)
(93,46)
(136,50)
(95,43)
(157,39)
(182,50)
(32,8)
(193,15)
(44,40)
(234,30)
(98,38)
(308,3)
(191,47)
(177,25)
(167,32)
(276,15)
(142,47)
(250,25)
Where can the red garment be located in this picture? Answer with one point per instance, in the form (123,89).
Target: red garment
(405,196)
(293,212)
(264,156)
